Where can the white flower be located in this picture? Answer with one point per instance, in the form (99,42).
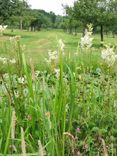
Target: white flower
(67,108)
(108,56)
(3,28)
(12,61)
(15,38)
(41,150)
(16,94)
(61,45)
(86,41)
(3,60)
(53,57)
(21,80)
(6,76)
(57,73)
(37,73)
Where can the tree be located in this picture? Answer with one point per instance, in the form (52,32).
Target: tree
(70,21)
(97,12)
(20,8)
(12,8)
(53,18)
(18,14)
(5,10)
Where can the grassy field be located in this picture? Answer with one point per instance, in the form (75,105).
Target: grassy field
(38,43)
(61,103)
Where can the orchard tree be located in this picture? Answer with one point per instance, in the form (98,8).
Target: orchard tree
(53,18)
(20,8)
(12,8)
(5,10)
(97,12)
(71,22)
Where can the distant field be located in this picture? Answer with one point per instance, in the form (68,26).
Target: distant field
(38,43)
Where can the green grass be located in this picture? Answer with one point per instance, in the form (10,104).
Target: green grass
(69,114)
(38,43)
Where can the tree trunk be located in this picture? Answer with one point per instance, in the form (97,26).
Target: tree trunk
(70,30)
(75,31)
(21,23)
(101,33)
(12,30)
(113,34)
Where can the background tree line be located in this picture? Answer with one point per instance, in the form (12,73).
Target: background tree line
(18,14)
(101,13)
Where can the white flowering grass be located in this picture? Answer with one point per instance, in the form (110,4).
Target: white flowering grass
(109,56)
(3,28)
(5,60)
(86,40)
(52,57)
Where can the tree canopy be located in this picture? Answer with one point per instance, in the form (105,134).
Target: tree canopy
(18,14)
(98,12)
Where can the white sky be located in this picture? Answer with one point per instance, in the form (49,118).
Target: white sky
(50,5)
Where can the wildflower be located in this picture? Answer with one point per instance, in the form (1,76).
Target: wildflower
(41,150)
(37,72)
(78,130)
(16,93)
(23,47)
(29,117)
(72,138)
(66,108)
(86,41)
(78,153)
(21,80)
(85,146)
(3,28)
(80,77)
(65,78)
(53,57)
(14,39)
(47,114)
(105,151)
(12,61)
(57,73)
(6,76)
(61,45)
(108,56)
(3,60)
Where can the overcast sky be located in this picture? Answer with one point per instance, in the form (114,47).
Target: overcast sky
(50,5)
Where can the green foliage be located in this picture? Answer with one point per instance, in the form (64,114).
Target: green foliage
(68,114)
(10,8)
(98,12)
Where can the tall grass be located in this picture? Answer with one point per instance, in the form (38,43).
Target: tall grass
(70,115)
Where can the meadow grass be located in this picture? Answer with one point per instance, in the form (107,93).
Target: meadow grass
(38,43)
(68,112)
